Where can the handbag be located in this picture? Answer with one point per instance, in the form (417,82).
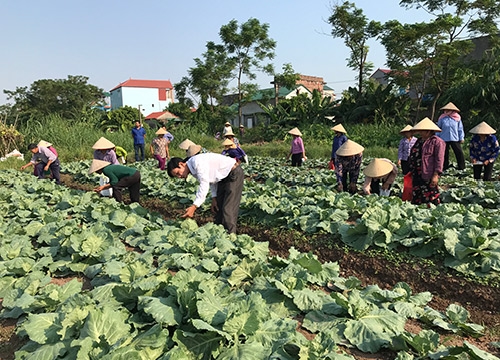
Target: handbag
(407,187)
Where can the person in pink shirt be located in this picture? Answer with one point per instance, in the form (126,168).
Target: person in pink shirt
(297,151)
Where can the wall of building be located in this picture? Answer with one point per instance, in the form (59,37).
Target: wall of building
(147,98)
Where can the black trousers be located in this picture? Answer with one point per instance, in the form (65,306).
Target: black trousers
(54,169)
(405,166)
(488,171)
(297,159)
(229,192)
(133,183)
(459,154)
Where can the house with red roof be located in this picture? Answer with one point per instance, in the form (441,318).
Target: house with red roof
(147,95)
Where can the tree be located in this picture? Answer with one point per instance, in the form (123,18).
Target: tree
(121,119)
(350,24)
(247,46)
(65,97)
(429,53)
(287,79)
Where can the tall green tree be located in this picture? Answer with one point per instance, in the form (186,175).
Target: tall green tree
(65,97)
(249,47)
(288,79)
(349,23)
(429,53)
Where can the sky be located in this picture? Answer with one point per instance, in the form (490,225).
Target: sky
(115,40)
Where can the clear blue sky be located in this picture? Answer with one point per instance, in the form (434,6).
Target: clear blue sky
(112,41)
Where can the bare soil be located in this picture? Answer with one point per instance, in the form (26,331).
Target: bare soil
(448,287)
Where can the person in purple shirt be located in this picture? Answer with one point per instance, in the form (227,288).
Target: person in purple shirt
(297,151)
(139,135)
(105,150)
(426,163)
(44,159)
(404,148)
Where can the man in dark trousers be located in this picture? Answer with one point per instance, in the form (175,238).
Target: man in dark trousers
(222,175)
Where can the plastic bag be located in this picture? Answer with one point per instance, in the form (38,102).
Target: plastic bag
(331,165)
(407,187)
(106,192)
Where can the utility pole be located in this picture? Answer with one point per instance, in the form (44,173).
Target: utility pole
(140,117)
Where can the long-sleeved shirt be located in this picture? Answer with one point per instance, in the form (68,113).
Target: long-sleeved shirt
(452,130)
(297,146)
(117,172)
(138,134)
(209,169)
(109,156)
(484,150)
(404,148)
(348,165)
(44,155)
(236,153)
(338,140)
(387,179)
(432,157)
(160,145)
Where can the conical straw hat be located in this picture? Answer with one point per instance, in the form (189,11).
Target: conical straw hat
(426,124)
(339,128)
(102,144)
(227,123)
(161,131)
(229,133)
(295,131)
(482,129)
(406,129)
(227,142)
(97,165)
(193,150)
(450,106)
(44,143)
(185,144)
(349,148)
(377,168)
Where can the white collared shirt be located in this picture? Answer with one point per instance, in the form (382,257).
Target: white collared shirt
(209,169)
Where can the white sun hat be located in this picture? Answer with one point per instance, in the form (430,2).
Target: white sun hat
(97,165)
(193,150)
(426,124)
(450,106)
(103,144)
(349,148)
(44,143)
(377,168)
(186,144)
(406,129)
(295,131)
(482,129)
(339,128)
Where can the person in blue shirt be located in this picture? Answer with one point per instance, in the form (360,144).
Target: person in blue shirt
(338,140)
(483,150)
(139,136)
(452,133)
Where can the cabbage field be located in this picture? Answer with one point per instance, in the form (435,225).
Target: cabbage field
(84,277)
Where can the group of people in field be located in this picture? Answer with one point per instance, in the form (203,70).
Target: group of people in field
(422,160)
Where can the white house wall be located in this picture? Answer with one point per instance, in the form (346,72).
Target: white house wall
(134,96)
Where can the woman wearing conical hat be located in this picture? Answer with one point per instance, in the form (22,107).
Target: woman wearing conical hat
(483,150)
(452,132)
(426,163)
(404,148)
(339,139)
(379,177)
(231,150)
(297,150)
(105,150)
(159,148)
(349,157)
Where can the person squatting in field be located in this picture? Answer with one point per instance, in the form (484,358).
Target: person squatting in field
(43,159)
(379,177)
(120,177)
(220,174)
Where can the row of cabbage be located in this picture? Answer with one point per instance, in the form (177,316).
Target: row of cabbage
(461,231)
(187,292)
